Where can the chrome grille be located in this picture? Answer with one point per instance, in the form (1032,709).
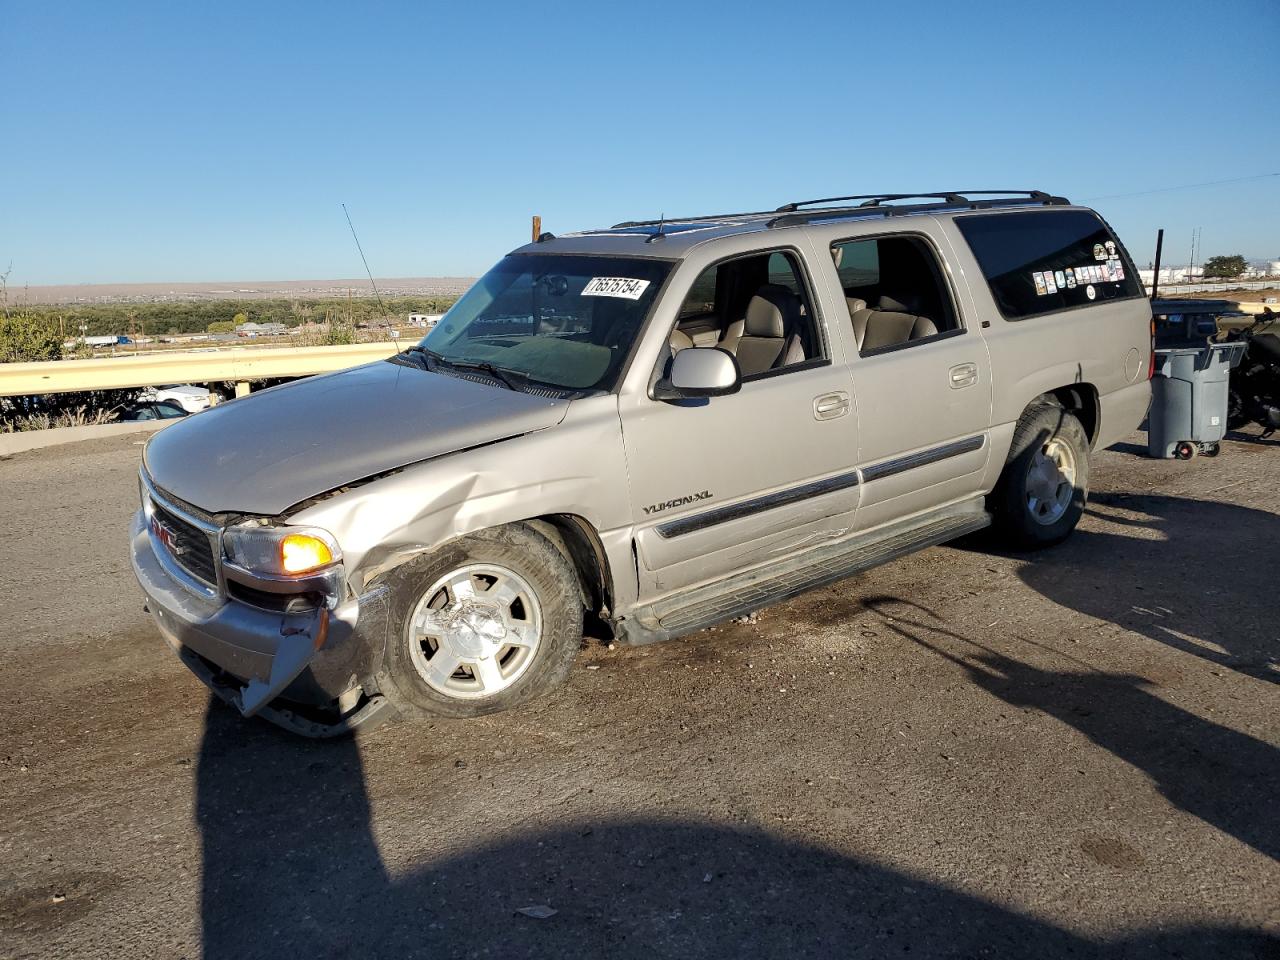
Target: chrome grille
(188,545)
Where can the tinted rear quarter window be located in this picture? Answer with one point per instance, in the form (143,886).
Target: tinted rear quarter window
(1042,261)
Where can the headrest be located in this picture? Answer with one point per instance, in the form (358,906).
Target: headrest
(855,304)
(899,306)
(764,319)
(680,341)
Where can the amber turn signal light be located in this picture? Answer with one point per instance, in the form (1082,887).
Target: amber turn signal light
(300,553)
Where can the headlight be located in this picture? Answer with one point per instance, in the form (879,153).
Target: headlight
(279,551)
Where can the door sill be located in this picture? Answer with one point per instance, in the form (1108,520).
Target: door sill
(751,590)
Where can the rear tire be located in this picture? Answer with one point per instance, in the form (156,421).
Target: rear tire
(485,623)
(1042,492)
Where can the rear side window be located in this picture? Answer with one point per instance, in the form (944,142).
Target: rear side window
(1047,260)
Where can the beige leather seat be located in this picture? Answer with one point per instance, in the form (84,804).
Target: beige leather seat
(769,335)
(680,341)
(888,325)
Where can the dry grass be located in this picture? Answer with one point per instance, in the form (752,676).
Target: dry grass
(78,417)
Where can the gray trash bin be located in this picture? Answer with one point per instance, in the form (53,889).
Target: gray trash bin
(1189,399)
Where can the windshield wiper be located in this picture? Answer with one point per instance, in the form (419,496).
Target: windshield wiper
(484,366)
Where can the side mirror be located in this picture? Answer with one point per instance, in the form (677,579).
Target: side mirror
(700,372)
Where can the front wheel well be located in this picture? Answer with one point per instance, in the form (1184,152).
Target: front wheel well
(577,540)
(1081,400)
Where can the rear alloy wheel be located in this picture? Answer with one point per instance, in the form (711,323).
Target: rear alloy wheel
(1051,482)
(483,624)
(1042,491)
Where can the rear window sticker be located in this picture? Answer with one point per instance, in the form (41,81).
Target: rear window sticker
(625,288)
(1111,249)
(1090,292)
(1119,270)
(1041,287)
(1071,278)
(1048,281)
(1099,252)
(1059,278)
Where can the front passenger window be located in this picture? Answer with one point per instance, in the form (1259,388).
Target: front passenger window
(762,313)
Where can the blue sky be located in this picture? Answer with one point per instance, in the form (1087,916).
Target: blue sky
(169,142)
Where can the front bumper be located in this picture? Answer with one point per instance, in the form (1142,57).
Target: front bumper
(263,661)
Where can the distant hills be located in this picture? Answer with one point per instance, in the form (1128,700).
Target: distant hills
(91,293)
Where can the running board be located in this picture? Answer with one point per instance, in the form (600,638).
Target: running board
(744,592)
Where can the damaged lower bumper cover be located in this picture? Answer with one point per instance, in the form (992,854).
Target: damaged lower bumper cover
(274,665)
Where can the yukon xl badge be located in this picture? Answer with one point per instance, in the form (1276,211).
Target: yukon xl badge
(678,502)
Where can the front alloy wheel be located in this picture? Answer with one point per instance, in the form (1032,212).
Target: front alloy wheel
(481,624)
(475,631)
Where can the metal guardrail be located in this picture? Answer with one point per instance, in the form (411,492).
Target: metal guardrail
(155,369)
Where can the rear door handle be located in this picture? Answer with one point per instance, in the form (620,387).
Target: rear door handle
(829,406)
(964,375)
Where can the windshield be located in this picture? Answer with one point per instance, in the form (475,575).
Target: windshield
(567,321)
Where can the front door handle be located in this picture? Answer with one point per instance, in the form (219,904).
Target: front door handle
(964,375)
(829,406)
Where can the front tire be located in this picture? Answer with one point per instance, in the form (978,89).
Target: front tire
(1042,491)
(485,623)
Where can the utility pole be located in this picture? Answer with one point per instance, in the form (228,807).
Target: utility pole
(1155,273)
(537,228)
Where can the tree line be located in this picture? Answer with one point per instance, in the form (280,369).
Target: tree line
(161,319)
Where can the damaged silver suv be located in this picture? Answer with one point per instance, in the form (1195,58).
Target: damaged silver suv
(656,426)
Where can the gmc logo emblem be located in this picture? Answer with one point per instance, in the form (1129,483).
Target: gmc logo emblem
(167,537)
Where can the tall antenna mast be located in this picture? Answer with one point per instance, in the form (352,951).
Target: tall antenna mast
(385,314)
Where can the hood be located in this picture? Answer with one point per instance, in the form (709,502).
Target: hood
(267,451)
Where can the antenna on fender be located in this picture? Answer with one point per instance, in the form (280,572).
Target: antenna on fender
(386,315)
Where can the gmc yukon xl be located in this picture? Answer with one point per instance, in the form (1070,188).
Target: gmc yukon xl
(659,426)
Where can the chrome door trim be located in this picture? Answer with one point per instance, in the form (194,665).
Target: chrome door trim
(889,468)
(745,508)
(843,481)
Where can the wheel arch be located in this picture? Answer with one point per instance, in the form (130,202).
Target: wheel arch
(581,545)
(1082,401)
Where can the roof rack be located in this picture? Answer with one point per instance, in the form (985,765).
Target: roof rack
(880,204)
(872,204)
(950,196)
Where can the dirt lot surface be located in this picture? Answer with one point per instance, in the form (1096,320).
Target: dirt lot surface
(963,754)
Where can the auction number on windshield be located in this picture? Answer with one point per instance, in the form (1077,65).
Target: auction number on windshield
(624,287)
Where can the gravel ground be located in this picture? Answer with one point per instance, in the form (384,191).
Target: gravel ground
(965,753)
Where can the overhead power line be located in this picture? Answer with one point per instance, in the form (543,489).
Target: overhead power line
(1185,186)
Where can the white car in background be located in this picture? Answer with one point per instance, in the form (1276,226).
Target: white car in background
(189,398)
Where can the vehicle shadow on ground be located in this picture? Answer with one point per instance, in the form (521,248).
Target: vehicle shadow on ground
(1194,575)
(291,868)
(1228,779)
